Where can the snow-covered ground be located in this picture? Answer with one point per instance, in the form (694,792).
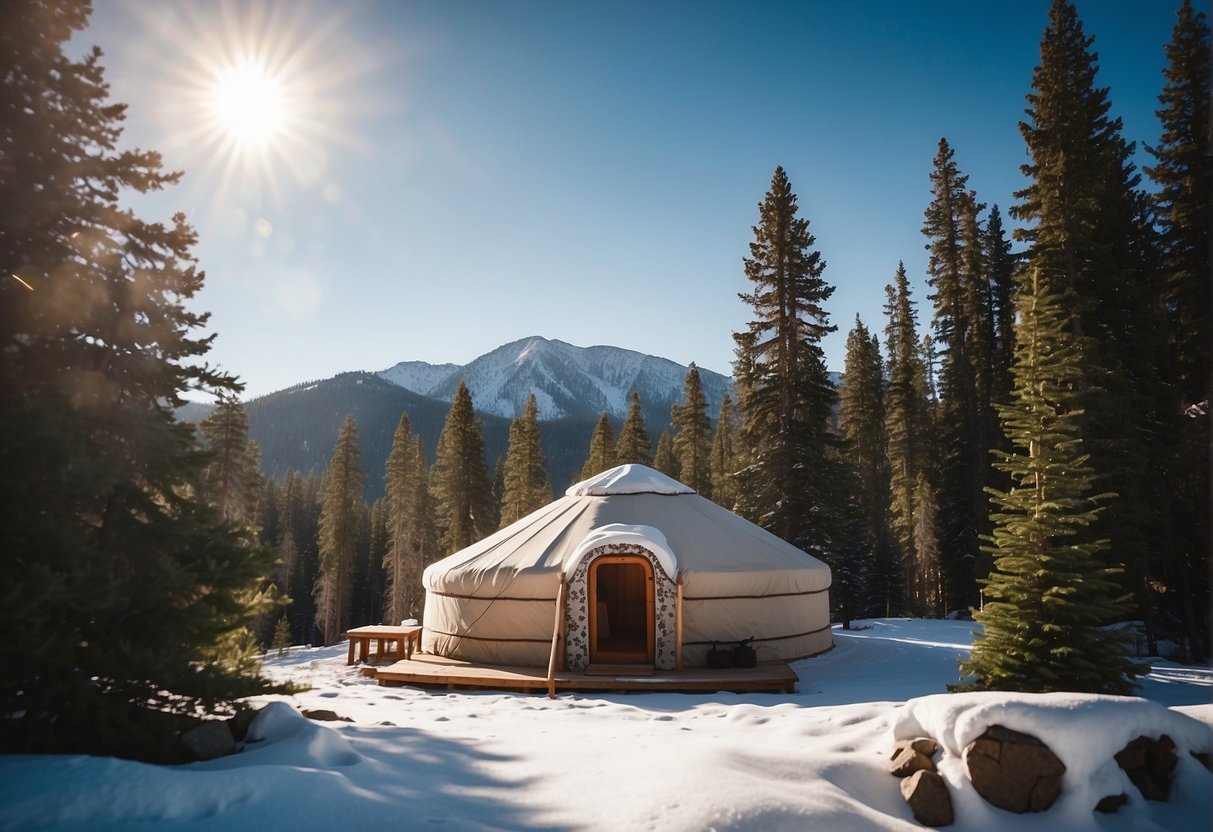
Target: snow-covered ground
(817,759)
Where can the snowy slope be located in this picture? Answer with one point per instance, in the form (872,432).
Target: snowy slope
(418,376)
(816,759)
(568,381)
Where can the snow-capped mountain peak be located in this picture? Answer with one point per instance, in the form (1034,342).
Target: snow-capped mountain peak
(567,380)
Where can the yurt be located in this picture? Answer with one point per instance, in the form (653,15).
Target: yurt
(630,567)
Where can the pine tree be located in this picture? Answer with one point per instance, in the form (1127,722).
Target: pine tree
(634,445)
(1089,235)
(1000,266)
(225,430)
(907,423)
(401,564)
(724,461)
(282,634)
(254,487)
(847,556)
(340,516)
(861,421)
(665,460)
(103,531)
(787,395)
(526,477)
(1051,589)
(1184,175)
(411,539)
(366,600)
(602,449)
(964,334)
(460,479)
(299,548)
(927,590)
(1184,201)
(693,434)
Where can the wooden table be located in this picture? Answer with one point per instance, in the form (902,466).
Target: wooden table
(406,640)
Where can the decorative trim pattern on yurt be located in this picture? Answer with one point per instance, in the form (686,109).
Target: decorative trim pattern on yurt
(577,621)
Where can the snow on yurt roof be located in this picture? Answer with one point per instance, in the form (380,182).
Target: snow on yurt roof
(644,536)
(628,479)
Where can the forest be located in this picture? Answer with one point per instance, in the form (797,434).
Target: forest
(1028,444)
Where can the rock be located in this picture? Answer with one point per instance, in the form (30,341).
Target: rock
(239,723)
(928,797)
(1112,803)
(909,761)
(209,739)
(1048,789)
(324,715)
(1149,764)
(923,745)
(1014,771)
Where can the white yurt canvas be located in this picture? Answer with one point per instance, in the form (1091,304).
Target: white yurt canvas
(621,543)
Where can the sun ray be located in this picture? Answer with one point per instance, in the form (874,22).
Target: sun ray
(261,95)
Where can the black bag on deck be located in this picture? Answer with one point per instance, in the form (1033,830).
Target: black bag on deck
(719,659)
(744,655)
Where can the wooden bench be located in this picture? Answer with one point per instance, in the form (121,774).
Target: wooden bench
(407,639)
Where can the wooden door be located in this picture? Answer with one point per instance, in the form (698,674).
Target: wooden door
(621,610)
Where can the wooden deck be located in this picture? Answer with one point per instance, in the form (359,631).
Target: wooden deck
(426,670)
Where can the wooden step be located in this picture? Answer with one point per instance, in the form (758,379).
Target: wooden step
(619,670)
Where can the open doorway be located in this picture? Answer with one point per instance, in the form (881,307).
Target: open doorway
(621,626)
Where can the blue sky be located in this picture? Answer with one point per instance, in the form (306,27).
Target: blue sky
(451,176)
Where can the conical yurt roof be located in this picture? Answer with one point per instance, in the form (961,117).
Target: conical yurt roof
(718,553)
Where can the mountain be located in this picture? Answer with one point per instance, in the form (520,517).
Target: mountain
(569,382)
(297,428)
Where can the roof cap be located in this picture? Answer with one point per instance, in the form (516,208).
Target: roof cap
(628,479)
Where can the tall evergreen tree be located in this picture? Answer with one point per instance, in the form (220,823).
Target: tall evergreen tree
(963,334)
(225,430)
(340,521)
(1088,236)
(665,460)
(693,434)
(254,486)
(411,540)
(526,477)
(724,457)
(927,589)
(861,421)
(102,529)
(367,580)
(787,394)
(300,535)
(1000,266)
(1051,588)
(1184,200)
(634,445)
(602,449)
(907,423)
(460,479)
(1184,175)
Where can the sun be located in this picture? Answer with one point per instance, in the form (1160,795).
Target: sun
(255,99)
(249,106)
